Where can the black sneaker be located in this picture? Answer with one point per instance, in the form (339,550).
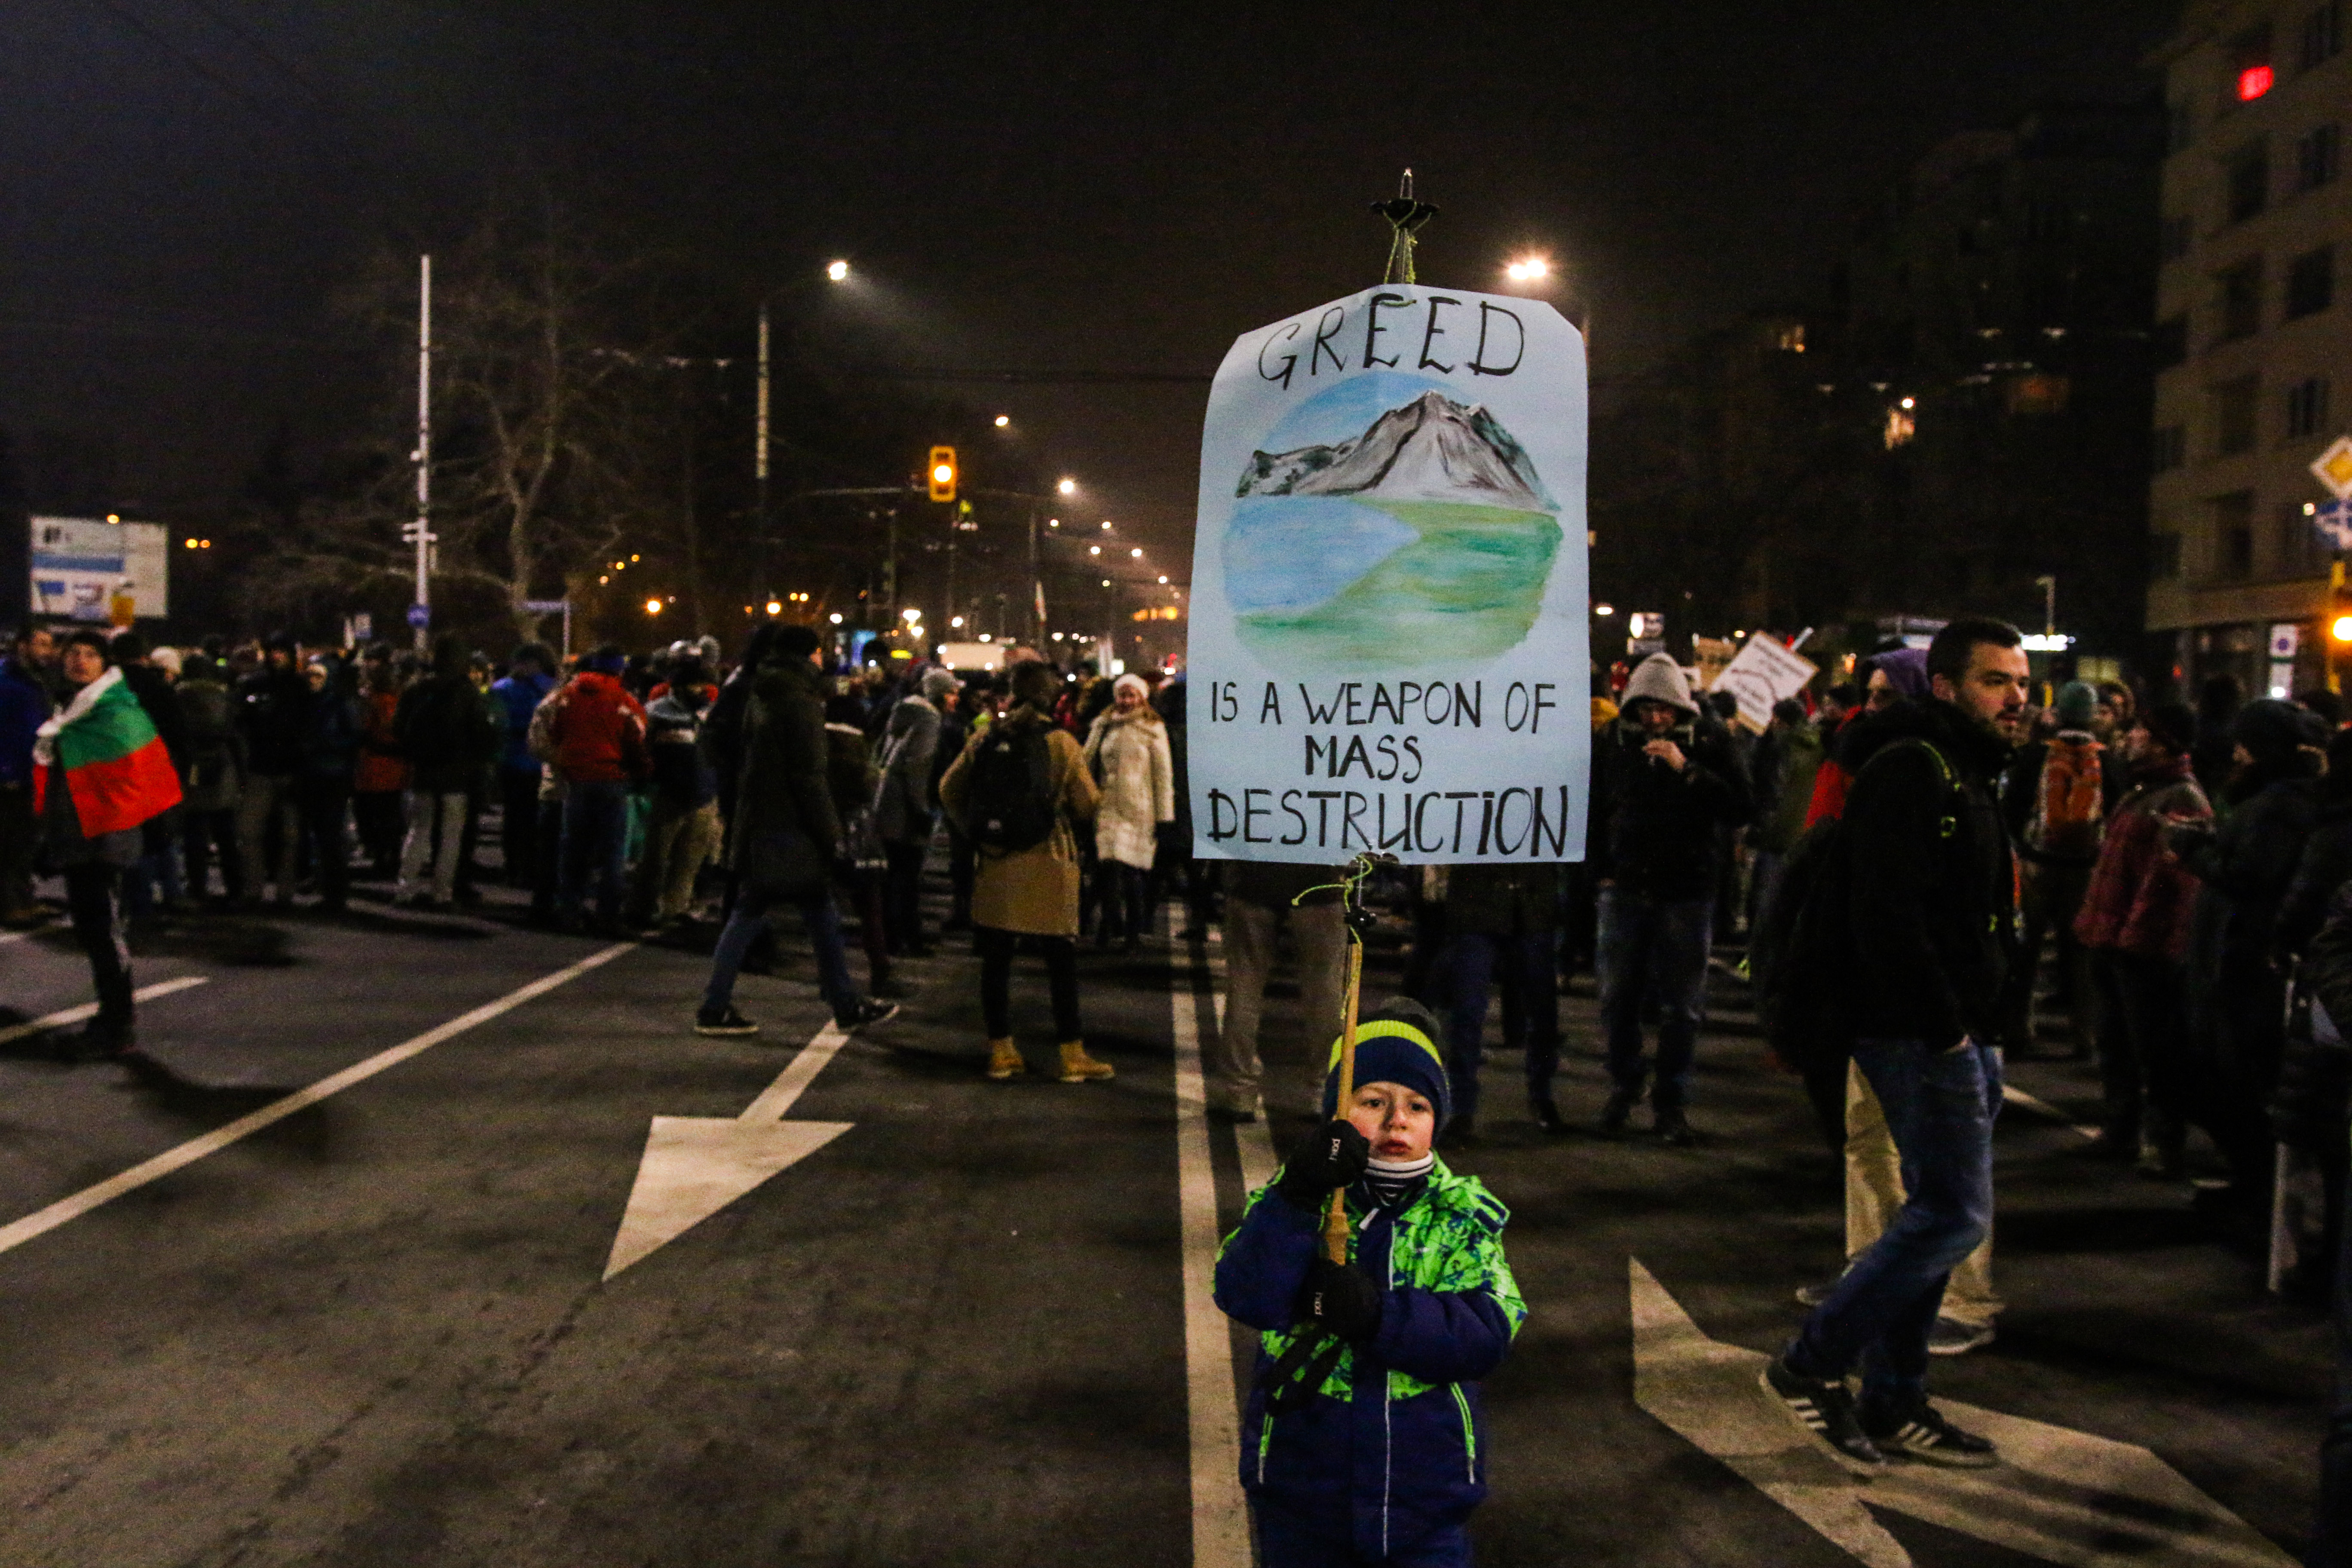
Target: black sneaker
(869,1011)
(1614,1115)
(1672,1127)
(726,1021)
(1547,1114)
(1823,1410)
(1921,1433)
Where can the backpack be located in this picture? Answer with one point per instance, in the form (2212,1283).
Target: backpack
(2069,806)
(1798,954)
(1010,804)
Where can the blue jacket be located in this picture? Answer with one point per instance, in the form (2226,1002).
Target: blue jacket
(24,705)
(1392,1447)
(521,698)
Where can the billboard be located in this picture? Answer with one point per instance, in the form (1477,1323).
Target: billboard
(88,569)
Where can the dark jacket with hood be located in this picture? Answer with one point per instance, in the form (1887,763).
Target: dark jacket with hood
(272,705)
(1654,830)
(782,794)
(2249,861)
(1932,886)
(445,734)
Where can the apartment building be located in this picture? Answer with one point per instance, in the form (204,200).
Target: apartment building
(2250,339)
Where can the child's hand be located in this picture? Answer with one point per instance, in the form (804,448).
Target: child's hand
(1341,1299)
(1333,1158)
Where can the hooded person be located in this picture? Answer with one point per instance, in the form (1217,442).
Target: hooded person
(1363,1440)
(904,804)
(1666,783)
(2247,865)
(1897,675)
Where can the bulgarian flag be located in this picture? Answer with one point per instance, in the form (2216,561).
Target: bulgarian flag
(116,768)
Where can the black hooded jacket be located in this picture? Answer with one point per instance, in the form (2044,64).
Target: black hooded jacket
(1933,889)
(1654,830)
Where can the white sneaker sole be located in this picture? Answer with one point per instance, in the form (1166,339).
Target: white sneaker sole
(1862,1469)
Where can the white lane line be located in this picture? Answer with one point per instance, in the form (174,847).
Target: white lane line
(89,1009)
(1221,1533)
(775,1102)
(2012,1095)
(42,1221)
(7,937)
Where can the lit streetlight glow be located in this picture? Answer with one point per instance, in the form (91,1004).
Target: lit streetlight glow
(1529,269)
(837,270)
(774,609)
(1136,552)
(1067,486)
(653,606)
(1003,420)
(910,617)
(836,617)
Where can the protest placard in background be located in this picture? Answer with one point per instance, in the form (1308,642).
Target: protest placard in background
(1764,671)
(1387,648)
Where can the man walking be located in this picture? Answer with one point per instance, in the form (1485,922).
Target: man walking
(599,734)
(1932,911)
(446,736)
(1664,782)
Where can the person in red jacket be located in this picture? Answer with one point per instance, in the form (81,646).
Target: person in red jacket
(599,735)
(2136,920)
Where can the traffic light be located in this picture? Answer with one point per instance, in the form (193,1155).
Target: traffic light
(942,473)
(2339,605)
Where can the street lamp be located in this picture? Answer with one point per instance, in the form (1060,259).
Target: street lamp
(653,606)
(1003,420)
(838,271)
(1067,486)
(1528,269)
(836,617)
(1136,552)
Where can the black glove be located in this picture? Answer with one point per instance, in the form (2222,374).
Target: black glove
(1340,1299)
(1333,1158)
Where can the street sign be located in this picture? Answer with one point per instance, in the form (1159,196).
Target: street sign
(2333,468)
(363,627)
(2332,521)
(420,615)
(546,607)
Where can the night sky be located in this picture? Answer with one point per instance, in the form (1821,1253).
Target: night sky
(1090,187)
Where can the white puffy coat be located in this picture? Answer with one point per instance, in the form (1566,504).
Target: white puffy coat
(1129,755)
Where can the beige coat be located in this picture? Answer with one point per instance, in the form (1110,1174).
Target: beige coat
(1034,891)
(1138,784)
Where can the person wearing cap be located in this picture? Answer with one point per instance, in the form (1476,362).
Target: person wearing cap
(1664,782)
(904,808)
(1363,1440)
(1127,750)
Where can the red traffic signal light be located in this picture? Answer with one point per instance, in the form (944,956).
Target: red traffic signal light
(942,473)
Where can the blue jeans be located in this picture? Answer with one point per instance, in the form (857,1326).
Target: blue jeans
(743,928)
(595,839)
(1530,978)
(1939,1106)
(1653,949)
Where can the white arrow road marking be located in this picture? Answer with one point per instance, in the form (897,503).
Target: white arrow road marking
(42,1221)
(2012,1095)
(2060,1495)
(696,1165)
(89,1009)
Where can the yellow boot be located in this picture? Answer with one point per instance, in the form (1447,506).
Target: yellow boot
(1079,1068)
(1005,1060)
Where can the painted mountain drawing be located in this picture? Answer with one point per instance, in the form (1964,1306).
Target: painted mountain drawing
(1429,536)
(1433,449)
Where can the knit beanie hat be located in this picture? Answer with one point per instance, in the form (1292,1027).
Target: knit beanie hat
(2075,705)
(938,683)
(1660,680)
(1396,1043)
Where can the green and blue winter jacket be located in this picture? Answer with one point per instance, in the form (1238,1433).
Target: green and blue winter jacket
(1392,1447)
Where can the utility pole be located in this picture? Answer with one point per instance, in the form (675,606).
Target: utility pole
(420,533)
(1036,585)
(760,440)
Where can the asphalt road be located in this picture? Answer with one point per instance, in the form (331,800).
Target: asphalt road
(376,1329)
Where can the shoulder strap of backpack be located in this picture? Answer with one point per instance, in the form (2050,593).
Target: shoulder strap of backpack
(1947,825)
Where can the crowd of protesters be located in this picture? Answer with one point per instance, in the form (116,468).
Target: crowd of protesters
(2166,891)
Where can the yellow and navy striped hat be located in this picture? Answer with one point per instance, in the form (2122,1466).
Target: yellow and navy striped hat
(1396,1043)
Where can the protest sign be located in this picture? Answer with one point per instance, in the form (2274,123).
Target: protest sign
(1387,649)
(1760,674)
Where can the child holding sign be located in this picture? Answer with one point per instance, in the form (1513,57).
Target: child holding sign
(1362,1441)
